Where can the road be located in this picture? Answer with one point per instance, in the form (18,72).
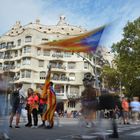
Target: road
(69,128)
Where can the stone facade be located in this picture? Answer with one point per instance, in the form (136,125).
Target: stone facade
(25,60)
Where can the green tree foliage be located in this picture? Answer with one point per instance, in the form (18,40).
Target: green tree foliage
(127,57)
(110,77)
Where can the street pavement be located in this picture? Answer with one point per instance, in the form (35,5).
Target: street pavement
(70,129)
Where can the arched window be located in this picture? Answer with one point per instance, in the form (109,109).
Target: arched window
(28,39)
(63,77)
(72,76)
(55,76)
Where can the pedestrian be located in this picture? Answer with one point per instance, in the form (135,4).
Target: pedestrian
(17,102)
(3,105)
(42,104)
(50,97)
(28,107)
(135,108)
(89,100)
(110,102)
(125,110)
(34,109)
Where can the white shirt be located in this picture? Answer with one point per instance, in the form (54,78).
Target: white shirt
(22,95)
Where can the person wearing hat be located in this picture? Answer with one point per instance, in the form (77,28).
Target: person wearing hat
(89,100)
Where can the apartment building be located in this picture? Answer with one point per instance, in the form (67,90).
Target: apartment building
(24,59)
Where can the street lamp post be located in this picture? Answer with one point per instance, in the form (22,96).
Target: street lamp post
(92,65)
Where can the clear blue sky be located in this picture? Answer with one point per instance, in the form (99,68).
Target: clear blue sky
(88,14)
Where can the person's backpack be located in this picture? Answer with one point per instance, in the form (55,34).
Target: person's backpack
(15,98)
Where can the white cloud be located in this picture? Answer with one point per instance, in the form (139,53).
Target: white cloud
(23,10)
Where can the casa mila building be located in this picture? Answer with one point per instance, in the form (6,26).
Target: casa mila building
(24,59)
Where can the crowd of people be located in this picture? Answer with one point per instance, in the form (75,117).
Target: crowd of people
(126,110)
(43,102)
(130,110)
(36,103)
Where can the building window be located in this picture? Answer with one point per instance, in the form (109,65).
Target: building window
(19,42)
(38,51)
(46,53)
(71,65)
(26,73)
(27,49)
(10,44)
(57,54)
(85,65)
(18,64)
(63,77)
(41,63)
(59,88)
(0,66)
(45,39)
(71,104)
(16,53)
(1,55)
(28,39)
(17,76)
(3,45)
(55,76)
(67,54)
(26,61)
(20,52)
(42,75)
(74,90)
(72,76)
(22,74)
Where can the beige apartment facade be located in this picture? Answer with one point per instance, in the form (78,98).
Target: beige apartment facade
(25,60)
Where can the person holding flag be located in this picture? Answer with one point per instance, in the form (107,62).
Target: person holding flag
(49,96)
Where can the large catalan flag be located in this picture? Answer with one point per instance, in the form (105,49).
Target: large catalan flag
(50,97)
(82,43)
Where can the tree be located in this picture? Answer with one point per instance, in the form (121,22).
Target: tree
(127,57)
(110,77)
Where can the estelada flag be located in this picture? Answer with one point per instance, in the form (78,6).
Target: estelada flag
(49,95)
(82,43)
